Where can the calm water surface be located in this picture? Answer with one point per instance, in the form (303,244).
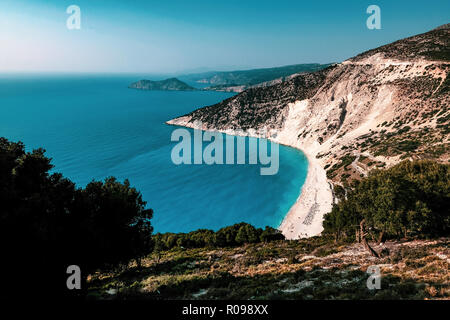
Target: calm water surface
(94,127)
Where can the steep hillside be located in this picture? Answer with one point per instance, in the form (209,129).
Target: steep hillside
(432,45)
(238,81)
(382,106)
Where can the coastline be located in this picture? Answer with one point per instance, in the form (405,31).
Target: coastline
(304,218)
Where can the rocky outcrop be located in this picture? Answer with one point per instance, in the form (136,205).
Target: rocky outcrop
(172,84)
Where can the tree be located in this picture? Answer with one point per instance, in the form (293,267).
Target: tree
(116,218)
(241,236)
(411,198)
(48,223)
(271,234)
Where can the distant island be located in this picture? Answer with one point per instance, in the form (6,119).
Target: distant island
(172,84)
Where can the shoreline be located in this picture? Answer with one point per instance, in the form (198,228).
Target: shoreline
(305,216)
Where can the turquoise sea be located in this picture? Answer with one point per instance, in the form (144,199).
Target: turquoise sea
(93,126)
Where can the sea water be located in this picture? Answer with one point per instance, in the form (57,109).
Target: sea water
(94,126)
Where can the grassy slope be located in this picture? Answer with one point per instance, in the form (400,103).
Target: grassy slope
(305,269)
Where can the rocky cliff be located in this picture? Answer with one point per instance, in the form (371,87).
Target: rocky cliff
(385,104)
(373,110)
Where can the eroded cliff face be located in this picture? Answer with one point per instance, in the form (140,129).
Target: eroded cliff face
(370,111)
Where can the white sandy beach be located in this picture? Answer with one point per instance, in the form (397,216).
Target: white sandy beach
(305,217)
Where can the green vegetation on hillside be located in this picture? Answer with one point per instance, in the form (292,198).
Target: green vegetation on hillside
(253,76)
(231,236)
(409,199)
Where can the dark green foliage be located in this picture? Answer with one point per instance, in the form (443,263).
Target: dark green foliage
(247,234)
(345,161)
(408,145)
(404,129)
(411,198)
(47,223)
(442,54)
(271,234)
(231,236)
(339,192)
(115,219)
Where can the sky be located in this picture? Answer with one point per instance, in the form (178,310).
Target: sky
(176,36)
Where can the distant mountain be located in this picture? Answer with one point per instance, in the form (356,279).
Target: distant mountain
(172,84)
(240,80)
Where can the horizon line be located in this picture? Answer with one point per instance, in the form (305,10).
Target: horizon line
(180,73)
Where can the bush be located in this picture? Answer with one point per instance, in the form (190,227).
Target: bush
(230,236)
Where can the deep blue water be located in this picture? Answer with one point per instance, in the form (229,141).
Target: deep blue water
(94,127)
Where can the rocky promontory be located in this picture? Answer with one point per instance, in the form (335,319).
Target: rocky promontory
(172,84)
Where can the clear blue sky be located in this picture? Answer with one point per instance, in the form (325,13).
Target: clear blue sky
(176,36)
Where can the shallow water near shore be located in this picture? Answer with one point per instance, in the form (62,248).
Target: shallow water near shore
(94,127)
